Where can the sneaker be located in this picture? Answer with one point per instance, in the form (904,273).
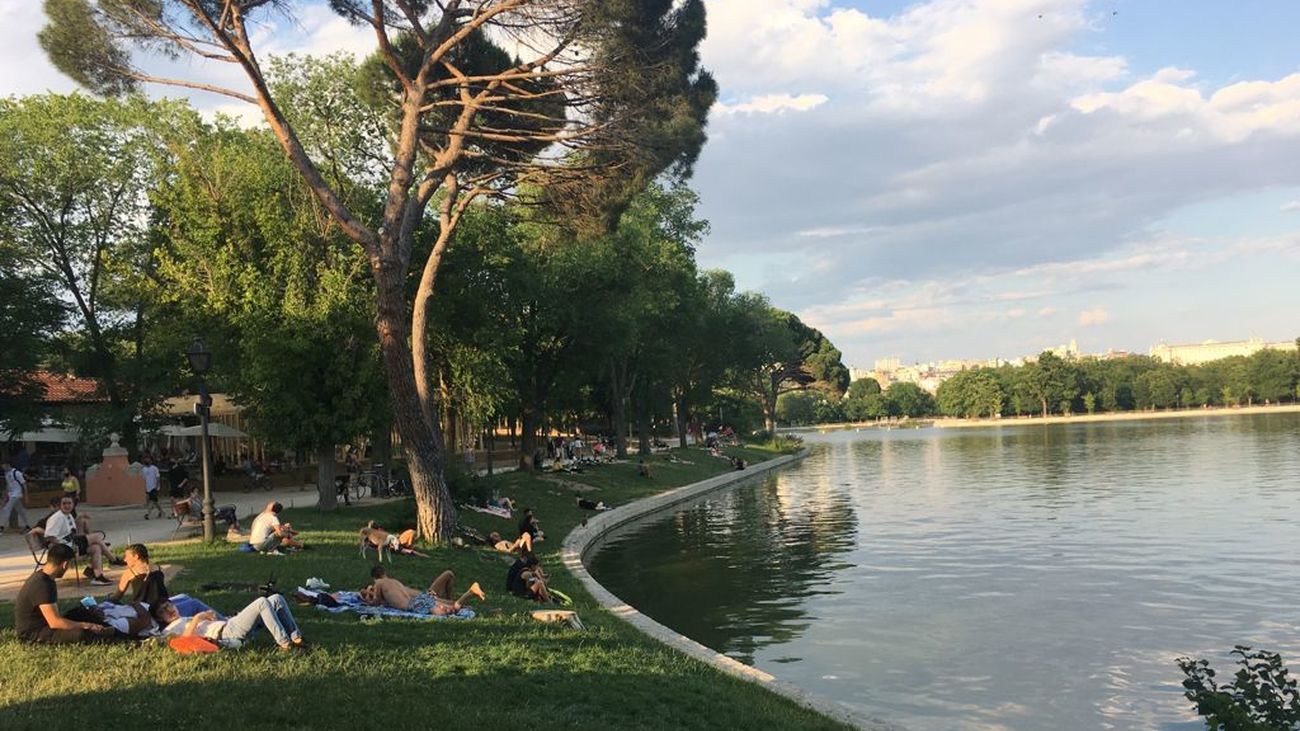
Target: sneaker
(117,562)
(273,552)
(88,572)
(100,581)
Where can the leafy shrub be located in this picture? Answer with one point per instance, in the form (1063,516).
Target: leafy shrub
(1262,696)
(465,486)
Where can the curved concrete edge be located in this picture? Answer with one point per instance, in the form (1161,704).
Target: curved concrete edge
(582,539)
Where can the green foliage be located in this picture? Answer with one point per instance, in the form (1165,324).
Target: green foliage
(972,393)
(255,265)
(75,174)
(908,399)
(1262,696)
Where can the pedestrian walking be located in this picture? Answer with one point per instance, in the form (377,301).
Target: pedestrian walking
(14,495)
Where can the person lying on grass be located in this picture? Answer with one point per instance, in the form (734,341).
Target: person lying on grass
(526,580)
(271,612)
(404,543)
(389,592)
(524,543)
(269,535)
(36,610)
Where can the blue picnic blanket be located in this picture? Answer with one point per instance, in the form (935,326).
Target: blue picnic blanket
(350,601)
(188,606)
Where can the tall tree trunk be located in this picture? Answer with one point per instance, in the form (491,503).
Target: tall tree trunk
(381,445)
(421,437)
(642,408)
(618,409)
(327,496)
(527,438)
(679,411)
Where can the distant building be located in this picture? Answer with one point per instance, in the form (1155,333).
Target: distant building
(888,365)
(1209,350)
(857,374)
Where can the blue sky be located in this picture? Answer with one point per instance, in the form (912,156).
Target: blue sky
(965,178)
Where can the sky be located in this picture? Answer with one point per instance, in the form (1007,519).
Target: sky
(972,178)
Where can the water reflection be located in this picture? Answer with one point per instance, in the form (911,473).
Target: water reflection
(748,560)
(1018,578)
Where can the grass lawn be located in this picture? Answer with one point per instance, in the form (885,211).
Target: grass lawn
(502,670)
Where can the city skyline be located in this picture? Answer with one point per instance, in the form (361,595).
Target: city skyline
(979,177)
(1084,349)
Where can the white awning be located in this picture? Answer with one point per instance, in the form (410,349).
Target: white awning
(63,435)
(215,429)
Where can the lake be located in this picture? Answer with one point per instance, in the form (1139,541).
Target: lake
(1021,577)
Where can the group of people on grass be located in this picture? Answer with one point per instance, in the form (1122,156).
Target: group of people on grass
(140,606)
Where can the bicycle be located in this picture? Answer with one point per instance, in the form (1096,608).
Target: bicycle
(383,485)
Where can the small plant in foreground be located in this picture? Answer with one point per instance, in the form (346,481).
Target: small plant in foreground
(1262,696)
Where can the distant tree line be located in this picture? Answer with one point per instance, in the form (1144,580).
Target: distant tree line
(1054,385)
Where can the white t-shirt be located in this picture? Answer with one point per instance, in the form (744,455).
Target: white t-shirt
(15,480)
(207,628)
(263,526)
(60,525)
(150,474)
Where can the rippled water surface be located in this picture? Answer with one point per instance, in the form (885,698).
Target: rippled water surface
(1017,578)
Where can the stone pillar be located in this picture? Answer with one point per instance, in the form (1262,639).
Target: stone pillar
(114,481)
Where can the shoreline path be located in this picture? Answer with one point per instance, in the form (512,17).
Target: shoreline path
(125,525)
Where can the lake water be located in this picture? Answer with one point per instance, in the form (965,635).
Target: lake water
(1010,578)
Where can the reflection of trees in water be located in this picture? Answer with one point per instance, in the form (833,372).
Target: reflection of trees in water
(733,572)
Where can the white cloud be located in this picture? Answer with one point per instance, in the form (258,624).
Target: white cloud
(773,104)
(1094,316)
(1290,207)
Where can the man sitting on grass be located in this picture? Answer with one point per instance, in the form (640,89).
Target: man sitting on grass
(271,612)
(389,592)
(36,610)
(526,580)
(268,534)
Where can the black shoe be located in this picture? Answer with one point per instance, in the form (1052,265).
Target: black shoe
(146,516)
(88,572)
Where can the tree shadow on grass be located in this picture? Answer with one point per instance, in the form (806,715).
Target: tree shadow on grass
(359,687)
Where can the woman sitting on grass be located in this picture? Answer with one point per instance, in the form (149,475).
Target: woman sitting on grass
(389,592)
(141,581)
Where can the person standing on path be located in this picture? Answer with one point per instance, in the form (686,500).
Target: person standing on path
(14,495)
(71,485)
(151,476)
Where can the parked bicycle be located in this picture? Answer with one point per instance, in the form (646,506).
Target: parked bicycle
(379,482)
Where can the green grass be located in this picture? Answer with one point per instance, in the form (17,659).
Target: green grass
(502,670)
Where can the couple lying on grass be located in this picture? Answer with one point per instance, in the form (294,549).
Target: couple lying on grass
(140,608)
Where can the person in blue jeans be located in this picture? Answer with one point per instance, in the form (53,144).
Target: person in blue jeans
(271,612)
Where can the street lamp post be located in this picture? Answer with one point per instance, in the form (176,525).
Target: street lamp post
(200,360)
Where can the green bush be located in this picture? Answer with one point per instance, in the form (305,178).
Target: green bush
(1262,696)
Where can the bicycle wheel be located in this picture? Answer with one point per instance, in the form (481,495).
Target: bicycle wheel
(360,487)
